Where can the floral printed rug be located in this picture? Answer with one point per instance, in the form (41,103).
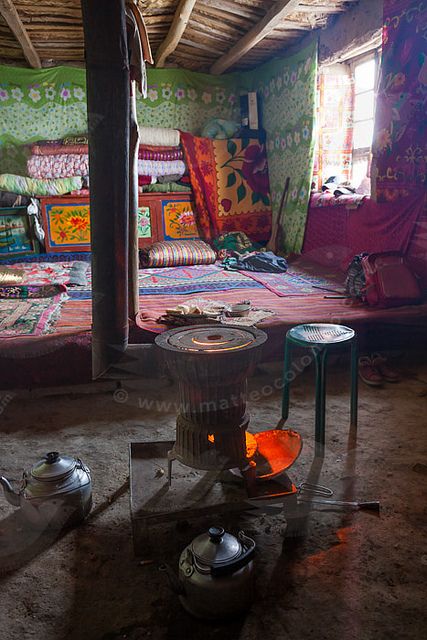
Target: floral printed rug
(198,279)
(33,317)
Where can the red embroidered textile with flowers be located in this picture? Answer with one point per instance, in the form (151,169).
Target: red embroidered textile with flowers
(400,139)
(229,179)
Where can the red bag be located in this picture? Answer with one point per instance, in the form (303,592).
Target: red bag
(389,282)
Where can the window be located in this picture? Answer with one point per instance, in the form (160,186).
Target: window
(364,75)
(346,112)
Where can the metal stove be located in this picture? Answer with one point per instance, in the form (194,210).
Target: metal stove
(211,365)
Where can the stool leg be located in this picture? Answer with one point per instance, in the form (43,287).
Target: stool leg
(319,434)
(286,380)
(354,384)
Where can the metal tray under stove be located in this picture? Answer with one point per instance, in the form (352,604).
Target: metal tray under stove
(194,493)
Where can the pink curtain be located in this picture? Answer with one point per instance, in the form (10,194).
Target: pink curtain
(400,139)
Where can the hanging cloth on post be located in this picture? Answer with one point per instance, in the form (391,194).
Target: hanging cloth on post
(138,45)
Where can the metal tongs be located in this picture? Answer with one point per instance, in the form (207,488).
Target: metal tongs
(319,494)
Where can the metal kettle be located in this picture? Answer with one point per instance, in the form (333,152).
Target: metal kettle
(56,492)
(216,574)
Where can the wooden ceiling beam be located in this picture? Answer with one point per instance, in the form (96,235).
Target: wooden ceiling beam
(10,14)
(177,28)
(270,21)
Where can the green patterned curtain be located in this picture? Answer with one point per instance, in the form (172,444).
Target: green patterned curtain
(187,100)
(37,104)
(288,88)
(51,103)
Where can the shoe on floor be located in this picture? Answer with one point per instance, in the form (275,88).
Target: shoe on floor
(368,373)
(380,364)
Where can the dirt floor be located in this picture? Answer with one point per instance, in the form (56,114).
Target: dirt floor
(352,576)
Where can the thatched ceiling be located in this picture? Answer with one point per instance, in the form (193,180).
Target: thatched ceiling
(53,31)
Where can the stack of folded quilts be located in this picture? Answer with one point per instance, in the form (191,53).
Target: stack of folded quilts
(67,158)
(160,159)
(55,168)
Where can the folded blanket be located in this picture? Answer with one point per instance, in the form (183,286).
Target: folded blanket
(80,139)
(58,149)
(11,276)
(161,167)
(60,166)
(49,143)
(83,193)
(8,199)
(159,153)
(31,187)
(78,274)
(159,136)
(167,187)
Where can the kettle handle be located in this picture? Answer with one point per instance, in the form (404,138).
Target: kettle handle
(241,561)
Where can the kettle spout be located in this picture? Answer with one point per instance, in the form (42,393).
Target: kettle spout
(174,582)
(10,495)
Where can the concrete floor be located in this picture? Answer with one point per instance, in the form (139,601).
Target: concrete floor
(354,576)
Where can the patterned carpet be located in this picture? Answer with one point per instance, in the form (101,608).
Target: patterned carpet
(35,317)
(299,281)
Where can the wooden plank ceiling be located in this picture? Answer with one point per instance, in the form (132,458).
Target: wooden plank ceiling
(202,32)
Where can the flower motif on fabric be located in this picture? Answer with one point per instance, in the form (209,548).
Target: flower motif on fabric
(79,94)
(180,93)
(255,170)
(206,97)
(166,91)
(152,94)
(191,94)
(220,96)
(34,95)
(4,95)
(17,94)
(65,94)
(49,93)
(383,140)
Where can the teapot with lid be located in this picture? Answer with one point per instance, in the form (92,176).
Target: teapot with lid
(215,574)
(56,491)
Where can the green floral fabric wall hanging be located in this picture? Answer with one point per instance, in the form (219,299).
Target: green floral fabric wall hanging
(288,88)
(51,103)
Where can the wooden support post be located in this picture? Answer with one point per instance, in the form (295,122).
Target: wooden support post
(133,208)
(108,100)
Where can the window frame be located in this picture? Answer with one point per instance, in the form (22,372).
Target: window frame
(364,153)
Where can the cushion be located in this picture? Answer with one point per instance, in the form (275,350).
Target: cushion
(176,253)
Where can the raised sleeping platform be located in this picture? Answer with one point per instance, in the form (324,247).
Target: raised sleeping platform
(49,341)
